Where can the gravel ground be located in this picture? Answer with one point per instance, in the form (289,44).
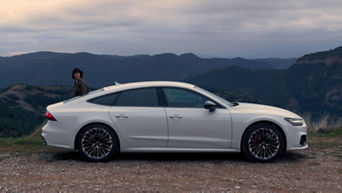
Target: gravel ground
(317,169)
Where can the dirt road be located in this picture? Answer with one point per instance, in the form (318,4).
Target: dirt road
(317,169)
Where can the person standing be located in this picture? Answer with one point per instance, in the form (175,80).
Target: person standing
(80,86)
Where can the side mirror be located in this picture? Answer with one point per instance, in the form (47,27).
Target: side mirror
(210,105)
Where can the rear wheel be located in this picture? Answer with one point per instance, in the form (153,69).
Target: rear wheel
(97,143)
(263,142)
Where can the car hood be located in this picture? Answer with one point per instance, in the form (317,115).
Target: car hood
(264,109)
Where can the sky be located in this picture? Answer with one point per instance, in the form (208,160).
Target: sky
(208,28)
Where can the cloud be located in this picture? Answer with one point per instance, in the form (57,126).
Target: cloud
(225,28)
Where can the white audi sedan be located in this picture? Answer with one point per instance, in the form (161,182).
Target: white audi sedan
(163,116)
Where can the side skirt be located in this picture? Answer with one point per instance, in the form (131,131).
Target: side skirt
(170,149)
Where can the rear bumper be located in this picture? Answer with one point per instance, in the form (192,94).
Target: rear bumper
(44,141)
(54,134)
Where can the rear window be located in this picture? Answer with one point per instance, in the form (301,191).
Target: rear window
(144,97)
(90,93)
(107,100)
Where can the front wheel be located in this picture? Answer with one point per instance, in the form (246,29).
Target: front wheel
(97,143)
(263,142)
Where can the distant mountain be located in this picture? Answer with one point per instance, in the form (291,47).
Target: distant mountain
(278,63)
(313,84)
(49,68)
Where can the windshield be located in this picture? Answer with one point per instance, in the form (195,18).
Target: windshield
(214,96)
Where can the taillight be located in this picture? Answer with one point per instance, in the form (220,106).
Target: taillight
(49,116)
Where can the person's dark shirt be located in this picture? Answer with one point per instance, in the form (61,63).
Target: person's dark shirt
(80,87)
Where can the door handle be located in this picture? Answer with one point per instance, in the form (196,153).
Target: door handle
(176,116)
(121,116)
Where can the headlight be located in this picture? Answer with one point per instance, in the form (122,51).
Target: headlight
(294,121)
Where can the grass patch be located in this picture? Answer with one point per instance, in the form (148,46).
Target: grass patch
(337,154)
(27,140)
(339,171)
(315,163)
(323,144)
(329,133)
(27,144)
(325,124)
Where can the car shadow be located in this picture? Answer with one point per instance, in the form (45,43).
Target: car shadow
(182,157)
(174,157)
(293,156)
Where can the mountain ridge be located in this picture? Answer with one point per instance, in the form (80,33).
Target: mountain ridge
(50,68)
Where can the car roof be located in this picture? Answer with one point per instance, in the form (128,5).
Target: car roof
(148,84)
(121,87)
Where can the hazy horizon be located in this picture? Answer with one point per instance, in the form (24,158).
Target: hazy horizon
(215,28)
(204,57)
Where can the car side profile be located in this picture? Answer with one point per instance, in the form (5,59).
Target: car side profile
(165,116)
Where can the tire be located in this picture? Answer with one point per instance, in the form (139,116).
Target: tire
(263,142)
(97,143)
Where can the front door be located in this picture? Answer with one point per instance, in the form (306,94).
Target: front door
(193,126)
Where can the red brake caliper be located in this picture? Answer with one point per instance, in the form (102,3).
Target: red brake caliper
(255,138)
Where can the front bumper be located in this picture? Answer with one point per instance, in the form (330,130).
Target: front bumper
(297,138)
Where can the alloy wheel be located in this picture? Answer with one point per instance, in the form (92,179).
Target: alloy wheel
(97,143)
(264,143)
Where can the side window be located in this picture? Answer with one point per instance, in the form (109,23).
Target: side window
(144,97)
(105,100)
(176,97)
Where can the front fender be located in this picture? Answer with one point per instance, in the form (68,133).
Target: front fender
(242,122)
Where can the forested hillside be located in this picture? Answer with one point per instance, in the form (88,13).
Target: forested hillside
(22,107)
(312,85)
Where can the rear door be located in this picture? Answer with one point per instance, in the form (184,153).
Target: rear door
(140,118)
